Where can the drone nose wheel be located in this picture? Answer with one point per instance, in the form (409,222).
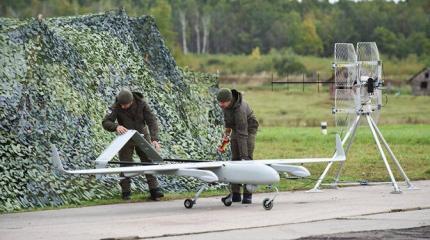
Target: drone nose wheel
(227,200)
(189,203)
(267,204)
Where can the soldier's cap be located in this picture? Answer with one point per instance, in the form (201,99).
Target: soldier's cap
(224,95)
(124,96)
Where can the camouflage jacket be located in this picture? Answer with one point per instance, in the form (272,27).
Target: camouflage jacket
(241,119)
(137,117)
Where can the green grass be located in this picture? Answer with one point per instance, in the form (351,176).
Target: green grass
(290,122)
(226,64)
(410,143)
(294,108)
(399,70)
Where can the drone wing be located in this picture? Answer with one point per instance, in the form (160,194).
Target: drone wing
(120,141)
(197,170)
(201,170)
(285,165)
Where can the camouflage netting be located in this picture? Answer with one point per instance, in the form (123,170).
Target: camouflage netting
(59,75)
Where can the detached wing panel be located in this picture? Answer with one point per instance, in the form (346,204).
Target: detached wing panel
(119,142)
(114,148)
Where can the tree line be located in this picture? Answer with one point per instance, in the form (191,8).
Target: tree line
(308,27)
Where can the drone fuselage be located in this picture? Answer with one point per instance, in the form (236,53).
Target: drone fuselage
(252,173)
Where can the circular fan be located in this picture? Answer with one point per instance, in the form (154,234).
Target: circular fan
(370,76)
(345,75)
(358,82)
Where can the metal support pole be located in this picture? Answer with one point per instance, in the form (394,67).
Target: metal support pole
(276,193)
(354,130)
(381,151)
(321,178)
(408,182)
(202,188)
(303,82)
(318,80)
(272,81)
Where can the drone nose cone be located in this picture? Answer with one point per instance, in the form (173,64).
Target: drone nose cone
(249,172)
(272,177)
(260,174)
(267,175)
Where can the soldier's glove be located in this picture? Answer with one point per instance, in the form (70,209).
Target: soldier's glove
(223,146)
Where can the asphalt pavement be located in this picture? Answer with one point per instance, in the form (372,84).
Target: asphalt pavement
(340,212)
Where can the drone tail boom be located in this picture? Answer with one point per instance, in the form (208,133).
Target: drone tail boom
(56,161)
(340,153)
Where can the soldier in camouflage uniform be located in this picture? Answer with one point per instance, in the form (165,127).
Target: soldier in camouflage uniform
(130,111)
(241,125)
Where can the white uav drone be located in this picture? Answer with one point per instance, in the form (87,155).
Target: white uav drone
(251,173)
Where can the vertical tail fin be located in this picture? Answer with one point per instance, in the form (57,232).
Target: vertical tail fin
(340,153)
(56,161)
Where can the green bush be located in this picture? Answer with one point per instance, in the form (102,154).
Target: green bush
(58,77)
(287,63)
(215,61)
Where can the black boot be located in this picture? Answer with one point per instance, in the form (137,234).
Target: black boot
(236,197)
(125,188)
(247,198)
(126,195)
(156,194)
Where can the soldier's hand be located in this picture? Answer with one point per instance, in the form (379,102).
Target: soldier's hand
(121,130)
(156,145)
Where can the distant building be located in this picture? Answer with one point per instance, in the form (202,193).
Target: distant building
(420,82)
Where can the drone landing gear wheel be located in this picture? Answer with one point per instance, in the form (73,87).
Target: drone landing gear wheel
(227,200)
(267,204)
(189,203)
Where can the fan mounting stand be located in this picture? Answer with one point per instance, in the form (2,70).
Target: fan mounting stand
(358,80)
(378,137)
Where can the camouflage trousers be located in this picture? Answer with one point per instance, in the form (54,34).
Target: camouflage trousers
(126,155)
(234,145)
